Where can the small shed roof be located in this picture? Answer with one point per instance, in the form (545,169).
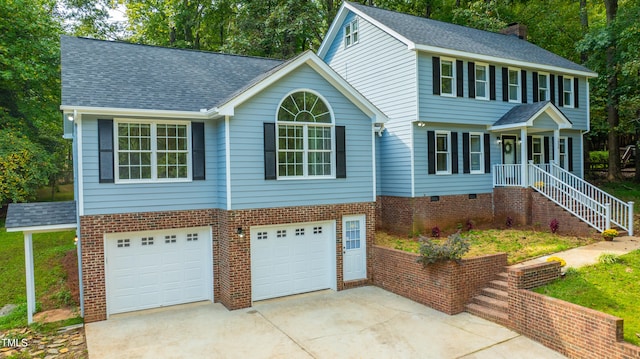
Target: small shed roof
(41,216)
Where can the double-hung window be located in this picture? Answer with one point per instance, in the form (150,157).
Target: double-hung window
(537,149)
(351,33)
(443,152)
(482,81)
(305,137)
(447,77)
(152,151)
(567,91)
(476,153)
(543,87)
(514,85)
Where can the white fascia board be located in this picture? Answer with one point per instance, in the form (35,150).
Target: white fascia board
(114,111)
(45,229)
(513,126)
(501,60)
(339,19)
(323,70)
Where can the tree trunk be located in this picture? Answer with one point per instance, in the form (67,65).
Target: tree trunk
(613,116)
(584,24)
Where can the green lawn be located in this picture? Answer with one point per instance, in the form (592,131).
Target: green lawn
(519,245)
(50,277)
(63,192)
(609,288)
(624,190)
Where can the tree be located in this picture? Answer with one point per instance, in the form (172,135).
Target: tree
(30,126)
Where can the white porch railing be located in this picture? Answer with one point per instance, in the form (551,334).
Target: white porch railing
(587,202)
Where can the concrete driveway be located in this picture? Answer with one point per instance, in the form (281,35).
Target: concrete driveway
(364,322)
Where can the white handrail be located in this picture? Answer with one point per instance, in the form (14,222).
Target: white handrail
(621,212)
(507,176)
(571,199)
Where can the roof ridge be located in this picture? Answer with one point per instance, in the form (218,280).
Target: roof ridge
(123,42)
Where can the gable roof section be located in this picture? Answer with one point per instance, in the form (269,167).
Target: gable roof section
(454,40)
(41,216)
(524,115)
(108,74)
(312,60)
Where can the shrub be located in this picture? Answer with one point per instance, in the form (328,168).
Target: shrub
(608,258)
(435,232)
(557,259)
(452,249)
(599,156)
(554,225)
(469,224)
(509,222)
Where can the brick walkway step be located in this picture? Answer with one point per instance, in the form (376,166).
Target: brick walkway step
(491,303)
(488,313)
(502,276)
(498,284)
(495,293)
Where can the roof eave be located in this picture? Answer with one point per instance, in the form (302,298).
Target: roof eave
(44,228)
(500,60)
(117,111)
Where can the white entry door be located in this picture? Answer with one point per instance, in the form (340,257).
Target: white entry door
(155,269)
(354,247)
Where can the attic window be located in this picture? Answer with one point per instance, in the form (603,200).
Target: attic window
(351,33)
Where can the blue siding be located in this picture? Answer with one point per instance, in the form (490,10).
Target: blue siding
(221,163)
(103,198)
(383,69)
(248,186)
(460,183)
(465,110)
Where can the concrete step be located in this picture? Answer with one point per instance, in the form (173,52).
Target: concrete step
(488,313)
(495,293)
(498,284)
(491,303)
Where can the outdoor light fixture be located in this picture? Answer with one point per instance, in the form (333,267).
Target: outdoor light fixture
(75,240)
(499,141)
(421,124)
(70,116)
(240,233)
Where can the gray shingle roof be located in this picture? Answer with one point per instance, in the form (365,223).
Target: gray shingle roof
(521,113)
(121,75)
(20,215)
(423,31)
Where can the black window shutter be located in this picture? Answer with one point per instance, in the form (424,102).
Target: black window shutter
(431,152)
(341,152)
(471,70)
(505,84)
(454,152)
(523,85)
(466,166)
(529,148)
(536,87)
(576,94)
(570,152)
(459,78)
(105,148)
(197,151)
(436,75)
(547,150)
(487,153)
(560,91)
(492,82)
(552,89)
(270,151)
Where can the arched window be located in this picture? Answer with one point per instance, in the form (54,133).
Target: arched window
(305,136)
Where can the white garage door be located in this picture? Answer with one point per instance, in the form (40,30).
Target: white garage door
(156,269)
(292,259)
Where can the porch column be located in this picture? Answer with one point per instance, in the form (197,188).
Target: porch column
(556,146)
(31,287)
(523,156)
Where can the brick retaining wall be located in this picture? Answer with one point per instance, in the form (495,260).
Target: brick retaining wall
(446,287)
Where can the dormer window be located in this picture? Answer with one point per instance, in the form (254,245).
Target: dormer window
(447,77)
(351,33)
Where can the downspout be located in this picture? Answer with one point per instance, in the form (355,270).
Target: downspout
(227,151)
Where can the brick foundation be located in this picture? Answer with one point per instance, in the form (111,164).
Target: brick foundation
(446,287)
(231,264)
(404,215)
(410,215)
